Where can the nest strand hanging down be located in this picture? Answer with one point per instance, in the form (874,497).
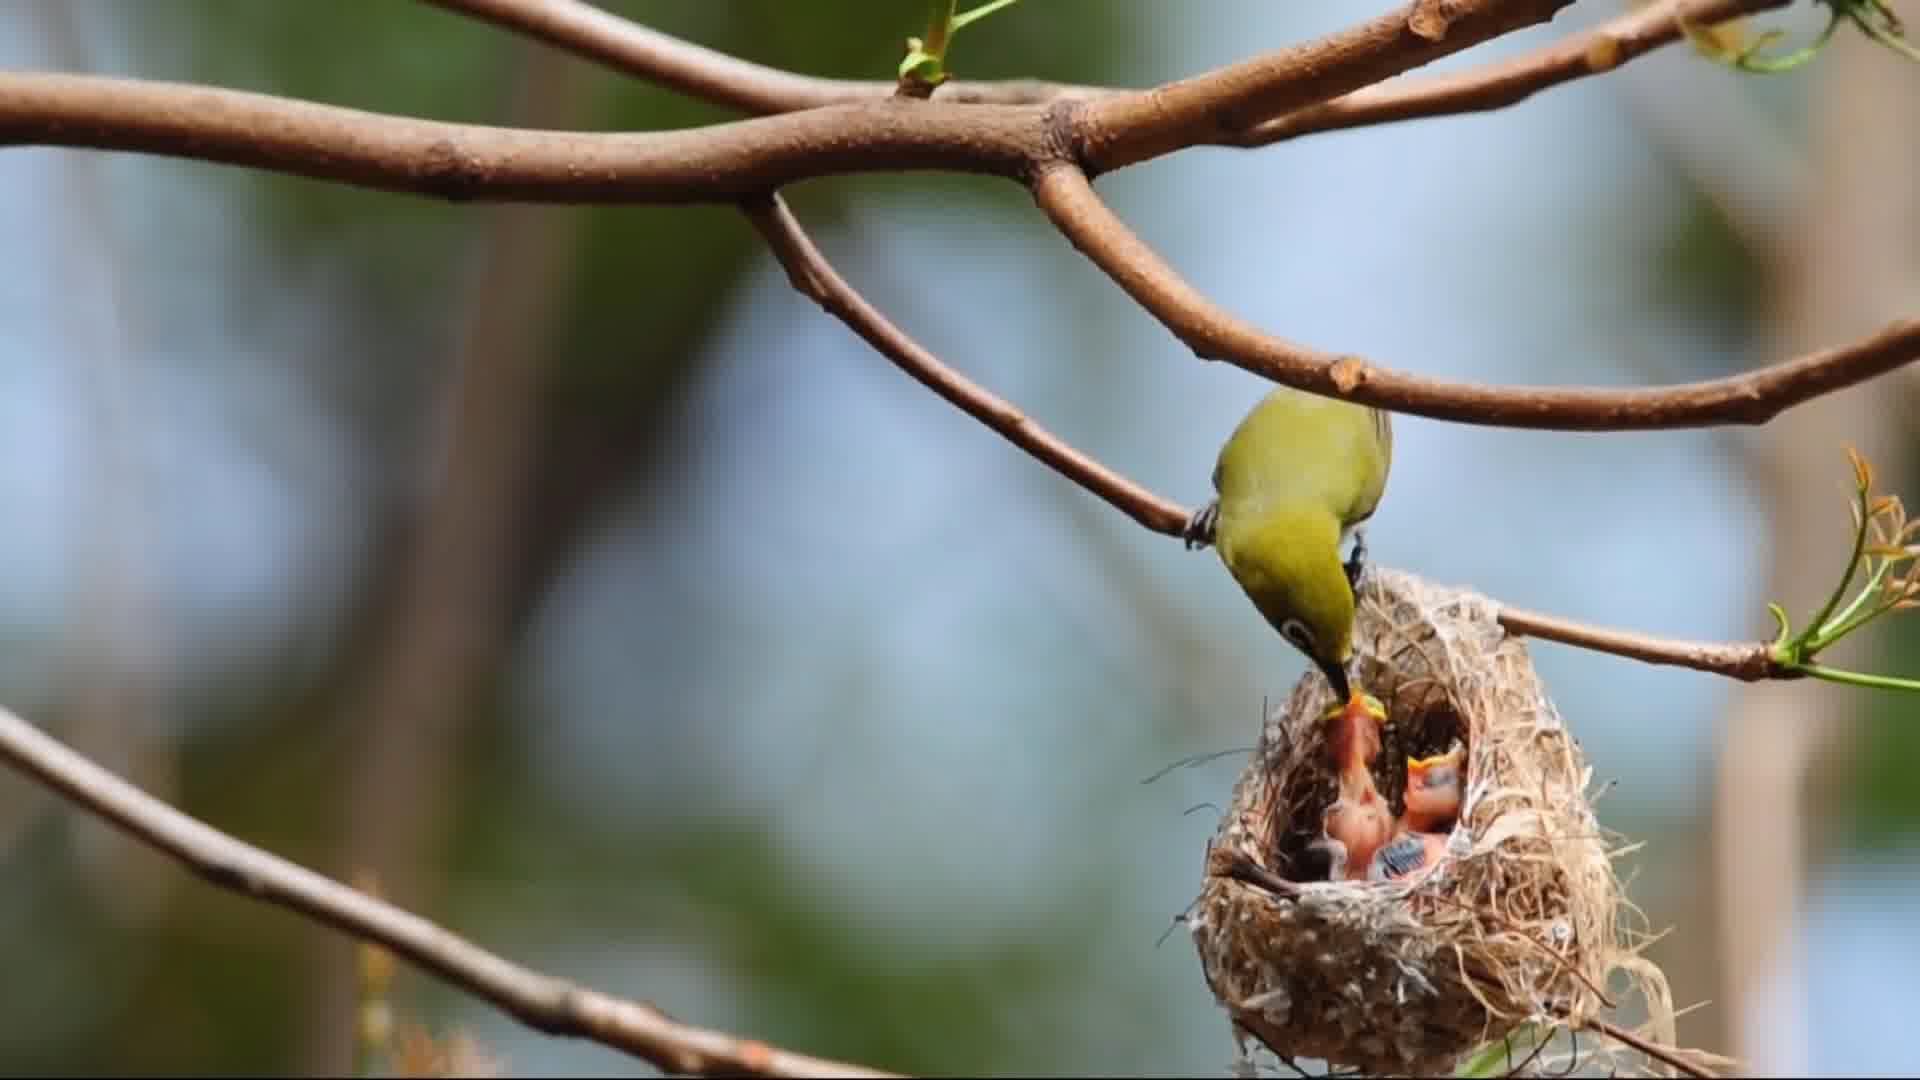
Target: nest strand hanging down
(1519,922)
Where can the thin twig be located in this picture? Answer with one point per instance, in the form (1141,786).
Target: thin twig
(814,277)
(1747,661)
(552,1005)
(1222,104)
(1065,194)
(1509,82)
(713,76)
(1660,1052)
(694,70)
(1539,1047)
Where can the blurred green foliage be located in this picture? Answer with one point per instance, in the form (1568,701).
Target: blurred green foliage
(1703,270)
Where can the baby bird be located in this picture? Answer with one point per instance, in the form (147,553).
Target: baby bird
(1433,806)
(1433,790)
(1359,822)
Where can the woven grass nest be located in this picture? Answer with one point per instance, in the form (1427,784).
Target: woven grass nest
(1522,922)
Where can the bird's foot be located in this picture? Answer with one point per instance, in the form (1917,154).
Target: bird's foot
(1356,563)
(1200,527)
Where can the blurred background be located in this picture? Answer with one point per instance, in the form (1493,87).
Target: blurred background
(620,610)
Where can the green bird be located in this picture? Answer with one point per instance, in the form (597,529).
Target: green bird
(1293,482)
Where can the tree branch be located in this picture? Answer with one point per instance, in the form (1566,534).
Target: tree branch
(1510,82)
(1749,661)
(716,164)
(1069,200)
(541,1001)
(1221,105)
(814,277)
(713,76)
(1666,1055)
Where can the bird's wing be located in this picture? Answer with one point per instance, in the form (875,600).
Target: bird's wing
(1381,444)
(1398,859)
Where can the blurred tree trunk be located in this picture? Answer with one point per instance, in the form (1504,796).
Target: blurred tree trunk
(447,627)
(1847,267)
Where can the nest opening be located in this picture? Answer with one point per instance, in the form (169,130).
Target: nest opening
(1520,922)
(1418,725)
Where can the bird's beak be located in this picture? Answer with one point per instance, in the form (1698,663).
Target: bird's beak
(1337,676)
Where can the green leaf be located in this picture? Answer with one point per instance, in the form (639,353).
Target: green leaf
(1749,58)
(1858,678)
(922,65)
(963,20)
(925,61)
(1786,630)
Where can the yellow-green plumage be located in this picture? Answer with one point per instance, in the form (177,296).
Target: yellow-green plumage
(1293,481)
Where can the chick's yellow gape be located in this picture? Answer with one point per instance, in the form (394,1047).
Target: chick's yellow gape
(1294,480)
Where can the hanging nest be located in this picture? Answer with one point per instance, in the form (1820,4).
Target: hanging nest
(1521,922)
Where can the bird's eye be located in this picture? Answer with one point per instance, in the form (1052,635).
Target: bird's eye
(1296,631)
